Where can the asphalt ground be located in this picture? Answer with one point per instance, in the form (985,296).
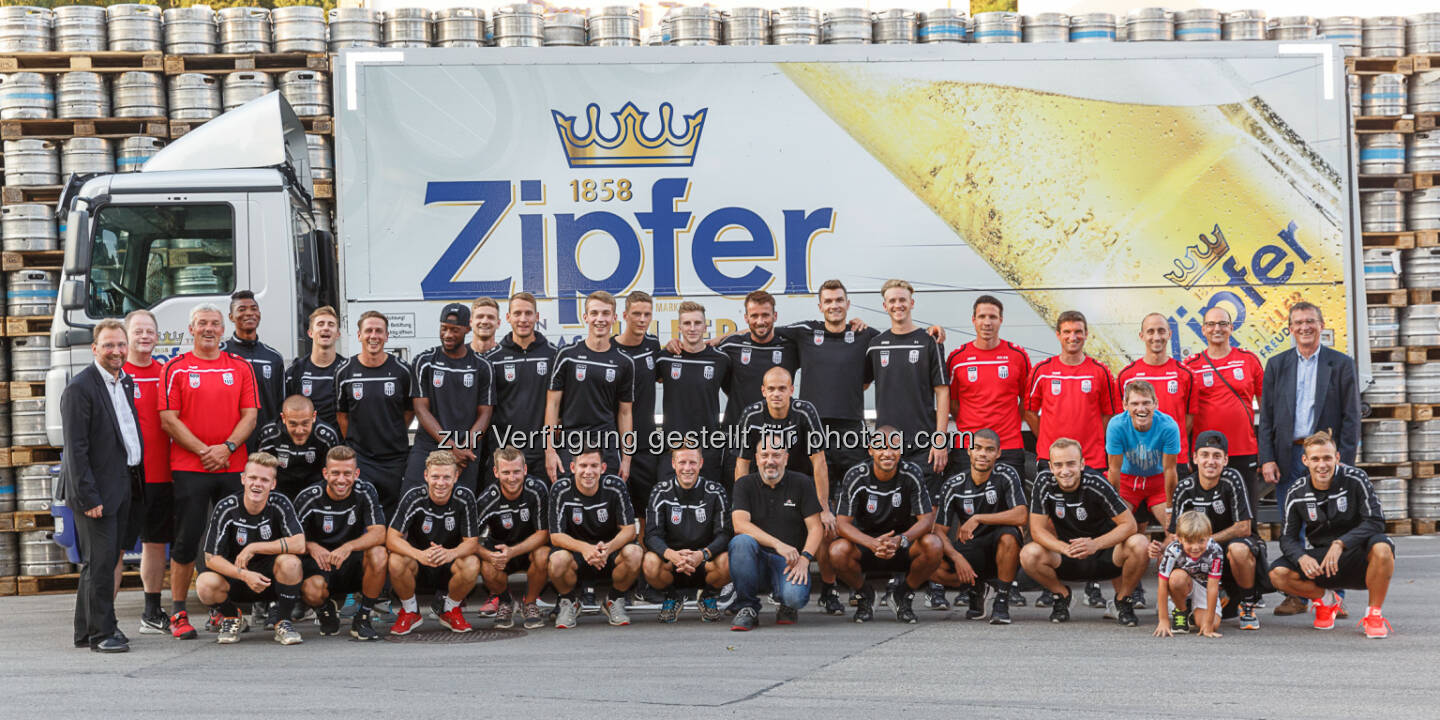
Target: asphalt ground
(821,667)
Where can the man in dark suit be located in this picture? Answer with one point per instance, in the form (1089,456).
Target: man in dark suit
(1307,389)
(102,482)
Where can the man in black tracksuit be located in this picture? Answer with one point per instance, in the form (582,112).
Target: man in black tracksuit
(520,368)
(269,366)
(687,533)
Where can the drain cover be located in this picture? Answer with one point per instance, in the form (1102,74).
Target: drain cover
(442,635)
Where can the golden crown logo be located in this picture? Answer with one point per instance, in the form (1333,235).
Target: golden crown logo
(629,146)
(1199,259)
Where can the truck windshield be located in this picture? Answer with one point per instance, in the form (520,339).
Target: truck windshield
(144,254)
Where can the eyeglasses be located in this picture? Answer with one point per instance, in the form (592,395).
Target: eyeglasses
(1217,323)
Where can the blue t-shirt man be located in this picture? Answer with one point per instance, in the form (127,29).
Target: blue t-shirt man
(1143,452)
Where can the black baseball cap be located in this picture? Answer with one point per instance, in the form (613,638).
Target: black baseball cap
(1212,439)
(455,314)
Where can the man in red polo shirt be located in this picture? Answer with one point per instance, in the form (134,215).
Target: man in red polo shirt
(1072,395)
(1173,382)
(1228,380)
(987,385)
(158,528)
(209,411)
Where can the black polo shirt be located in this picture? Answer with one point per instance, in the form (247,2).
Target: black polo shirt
(781,510)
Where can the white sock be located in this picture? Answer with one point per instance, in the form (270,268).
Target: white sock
(450,604)
(409,605)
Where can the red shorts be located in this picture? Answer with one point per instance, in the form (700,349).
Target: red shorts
(1143,492)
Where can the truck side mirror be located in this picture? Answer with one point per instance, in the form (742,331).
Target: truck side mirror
(78,242)
(74,294)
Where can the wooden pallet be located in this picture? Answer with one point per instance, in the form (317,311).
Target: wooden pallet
(1370,124)
(1399,528)
(43,194)
(90,127)
(246,62)
(1426,121)
(1424,180)
(324,189)
(32,260)
(1387,412)
(7,586)
(314,125)
(1424,527)
(1427,469)
(29,325)
(1421,355)
(1427,238)
(102,62)
(1394,240)
(24,389)
(1268,531)
(1379,65)
(21,456)
(26,521)
(1421,63)
(63,584)
(1385,298)
(1397,181)
(1387,354)
(1423,296)
(1387,470)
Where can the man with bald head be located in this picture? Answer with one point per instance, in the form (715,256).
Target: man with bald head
(1228,380)
(300,441)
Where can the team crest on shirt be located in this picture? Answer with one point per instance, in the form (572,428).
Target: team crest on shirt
(1080,513)
(650,362)
(266,370)
(524,514)
(609,374)
(602,514)
(1060,510)
(972,373)
(1341,503)
(449,522)
(306,388)
(310,455)
(871,504)
(676,515)
(541,367)
(914,356)
(1311,512)
(884,358)
(744,356)
(895,500)
(242,536)
(229,378)
(509,373)
(1209,379)
(1218,506)
(284,460)
(969,506)
(850,337)
(579,372)
(700,514)
(265,531)
(819,337)
(1086,385)
(357,390)
(350,518)
(990,496)
(1239,373)
(428,525)
(709,372)
(438,379)
(1004,371)
(469,380)
(776,357)
(577,516)
(1173,386)
(389,388)
(328,525)
(1055,386)
(194,380)
(507,521)
(674,371)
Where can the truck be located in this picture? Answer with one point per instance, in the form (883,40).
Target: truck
(1117,179)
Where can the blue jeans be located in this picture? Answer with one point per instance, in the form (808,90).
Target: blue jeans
(755,569)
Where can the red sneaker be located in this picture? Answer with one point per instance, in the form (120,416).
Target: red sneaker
(490,607)
(455,620)
(180,627)
(1325,614)
(405,622)
(1375,625)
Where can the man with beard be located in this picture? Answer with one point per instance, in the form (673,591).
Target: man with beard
(451,393)
(300,442)
(373,409)
(345,544)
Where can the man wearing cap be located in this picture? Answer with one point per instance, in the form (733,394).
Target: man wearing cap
(453,400)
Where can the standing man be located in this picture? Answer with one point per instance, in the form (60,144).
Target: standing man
(485,322)
(301,442)
(777,529)
(752,354)
(267,364)
(644,351)
(158,528)
(373,409)
(520,366)
(978,520)
(344,544)
(884,523)
(103,482)
(209,411)
(592,528)
(987,384)
(453,400)
(514,537)
(911,394)
(1173,382)
(1228,382)
(1309,388)
(432,541)
(692,379)
(591,395)
(687,538)
(313,375)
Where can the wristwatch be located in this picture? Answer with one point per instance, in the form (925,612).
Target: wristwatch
(904,542)
(806,554)
(706,554)
(230,446)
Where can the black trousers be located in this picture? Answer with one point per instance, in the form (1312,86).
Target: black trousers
(99,541)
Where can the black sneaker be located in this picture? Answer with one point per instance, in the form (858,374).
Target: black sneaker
(587,601)
(1138,597)
(1093,598)
(360,628)
(1000,609)
(865,605)
(328,616)
(1016,598)
(1059,608)
(786,615)
(975,598)
(1045,600)
(154,624)
(744,620)
(1125,612)
(903,600)
(1179,622)
(936,599)
(272,616)
(829,601)
(890,586)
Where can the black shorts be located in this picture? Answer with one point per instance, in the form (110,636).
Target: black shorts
(1257,551)
(241,593)
(586,572)
(1354,563)
(195,493)
(897,564)
(387,477)
(343,580)
(1100,566)
(433,578)
(643,470)
(158,525)
(921,456)
(980,551)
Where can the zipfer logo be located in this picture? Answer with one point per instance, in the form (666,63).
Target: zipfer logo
(629,146)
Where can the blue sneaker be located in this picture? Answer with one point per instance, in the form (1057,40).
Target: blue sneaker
(350,607)
(670,609)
